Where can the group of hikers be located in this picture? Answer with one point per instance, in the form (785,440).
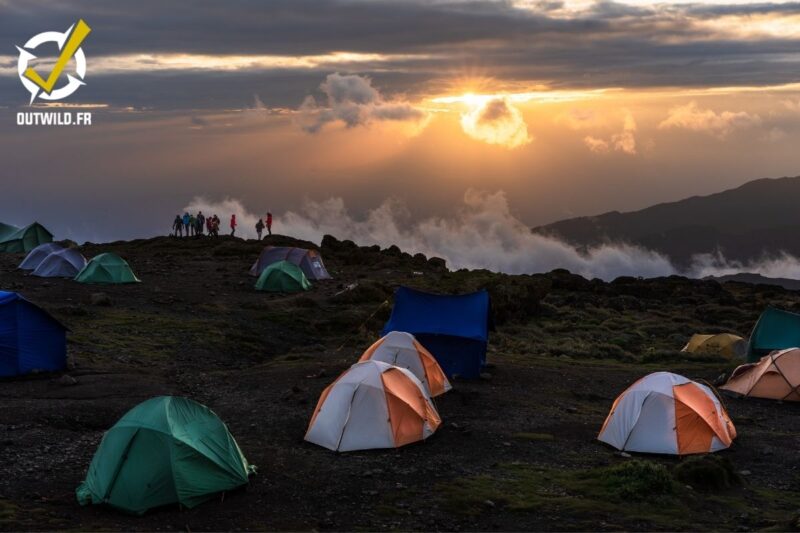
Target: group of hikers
(190,225)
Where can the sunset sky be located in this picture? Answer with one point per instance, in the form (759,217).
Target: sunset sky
(559,108)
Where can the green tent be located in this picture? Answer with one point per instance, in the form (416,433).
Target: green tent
(282,276)
(775,330)
(165,450)
(106,268)
(23,240)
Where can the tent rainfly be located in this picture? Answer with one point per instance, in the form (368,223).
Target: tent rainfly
(166,450)
(308,260)
(23,240)
(373,405)
(106,268)
(668,414)
(454,328)
(64,263)
(776,329)
(402,349)
(38,254)
(282,276)
(723,344)
(30,339)
(775,377)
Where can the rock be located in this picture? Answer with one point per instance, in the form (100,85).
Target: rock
(745,472)
(67,381)
(624,454)
(489,503)
(486,376)
(100,298)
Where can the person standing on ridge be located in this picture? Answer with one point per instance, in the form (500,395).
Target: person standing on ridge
(259,228)
(192,224)
(177,226)
(186,220)
(201,222)
(269,223)
(233,224)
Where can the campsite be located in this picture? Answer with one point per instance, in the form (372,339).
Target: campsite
(516,448)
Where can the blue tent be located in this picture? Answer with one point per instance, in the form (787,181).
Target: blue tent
(30,339)
(455,329)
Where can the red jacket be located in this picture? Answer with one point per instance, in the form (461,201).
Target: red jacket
(233,221)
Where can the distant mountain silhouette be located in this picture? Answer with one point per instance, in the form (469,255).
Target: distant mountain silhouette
(757,218)
(758,279)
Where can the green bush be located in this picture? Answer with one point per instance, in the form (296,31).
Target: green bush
(706,472)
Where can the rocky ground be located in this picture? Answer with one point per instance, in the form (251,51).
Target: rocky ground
(515,452)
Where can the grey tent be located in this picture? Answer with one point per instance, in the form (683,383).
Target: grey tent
(65,263)
(38,254)
(18,240)
(309,261)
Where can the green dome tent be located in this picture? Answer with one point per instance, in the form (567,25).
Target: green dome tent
(106,268)
(165,450)
(282,276)
(19,240)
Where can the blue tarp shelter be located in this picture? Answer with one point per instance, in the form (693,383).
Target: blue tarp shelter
(30,339)
(776,329)
(454,328)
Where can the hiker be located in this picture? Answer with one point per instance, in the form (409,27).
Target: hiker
(210,226)
(215,225)
(259,228)
(269,223)
(186,223)
(177,226)
(201,222)
(233,224)
(192,224)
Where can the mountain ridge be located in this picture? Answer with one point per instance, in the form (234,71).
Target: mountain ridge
(746,223)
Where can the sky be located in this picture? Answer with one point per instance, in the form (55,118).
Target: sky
(327,112)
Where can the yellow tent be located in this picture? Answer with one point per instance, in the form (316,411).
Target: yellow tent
(722,344)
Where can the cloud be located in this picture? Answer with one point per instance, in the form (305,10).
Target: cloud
(692,117)
(496,122)
(598,146)
(624,141)
(352,100)
(782,265)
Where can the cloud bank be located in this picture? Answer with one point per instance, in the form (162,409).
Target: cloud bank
(484,233)
(692,117)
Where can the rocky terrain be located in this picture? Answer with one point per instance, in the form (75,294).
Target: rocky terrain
(516,451)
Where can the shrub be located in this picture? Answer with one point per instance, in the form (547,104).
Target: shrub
(706,472)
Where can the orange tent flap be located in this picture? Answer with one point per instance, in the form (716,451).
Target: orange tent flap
(371,350)
(408,409)
(433,372)
(693,410)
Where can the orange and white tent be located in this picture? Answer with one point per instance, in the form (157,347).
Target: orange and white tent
(373,405)
(402,349)
(775,377)
(670,414)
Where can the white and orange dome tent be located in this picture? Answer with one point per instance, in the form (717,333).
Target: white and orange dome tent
(402,349)
(670,414)
(775,377)
(373,405)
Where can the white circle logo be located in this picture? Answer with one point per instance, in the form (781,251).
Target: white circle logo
(69,43)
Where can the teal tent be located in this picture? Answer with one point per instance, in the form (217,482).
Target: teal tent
(282,276)
(164,451)
(775,330)
(107,268)
(23,240)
